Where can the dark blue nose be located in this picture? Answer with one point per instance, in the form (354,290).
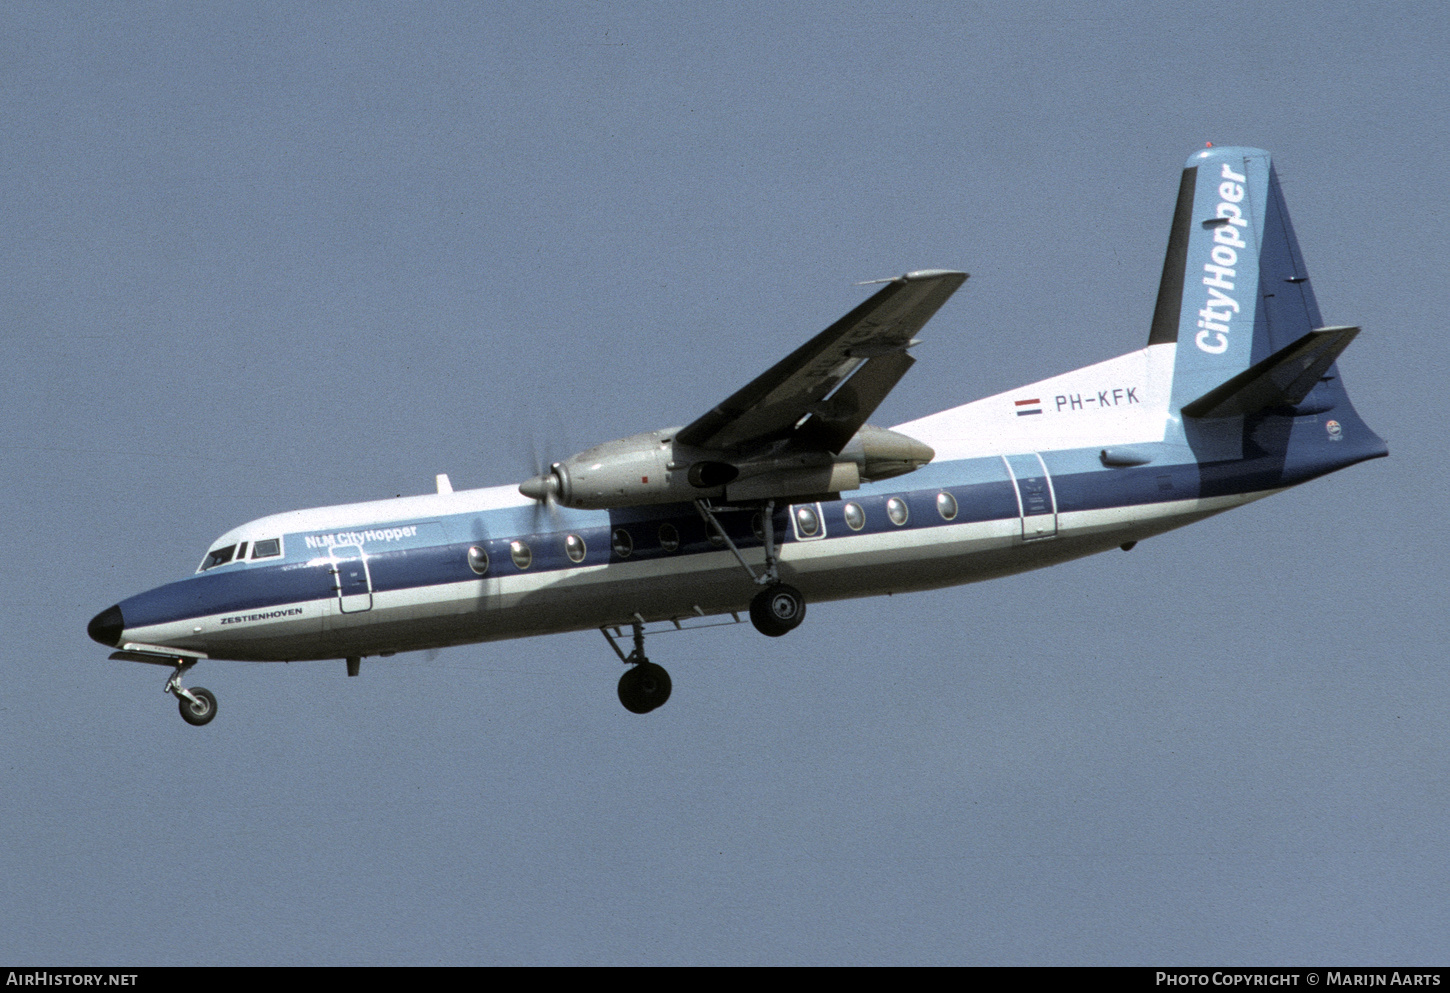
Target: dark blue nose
(106,627)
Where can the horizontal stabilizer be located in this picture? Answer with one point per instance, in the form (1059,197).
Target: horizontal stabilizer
(1283,379)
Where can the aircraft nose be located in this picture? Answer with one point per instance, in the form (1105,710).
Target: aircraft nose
(106,627)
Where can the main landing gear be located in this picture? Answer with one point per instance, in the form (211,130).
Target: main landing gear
(644,685)
(198,705)
(777,609)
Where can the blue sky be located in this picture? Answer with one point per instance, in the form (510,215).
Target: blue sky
(291,255)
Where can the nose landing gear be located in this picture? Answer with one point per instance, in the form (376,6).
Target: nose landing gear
(197,705)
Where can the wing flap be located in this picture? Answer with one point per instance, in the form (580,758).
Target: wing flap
(835,420)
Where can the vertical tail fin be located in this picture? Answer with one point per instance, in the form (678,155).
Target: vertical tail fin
(1234,287)
(1236,302)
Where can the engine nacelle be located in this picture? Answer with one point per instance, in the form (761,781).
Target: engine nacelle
(627,472)
(833,477)
(653,468)
(882,454)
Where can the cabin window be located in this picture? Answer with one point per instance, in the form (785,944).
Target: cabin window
(855,516)
(220,556)
(807,521)
(946,505)
(622,543)
(575,548)
(669,537)
(266,548)
(478,560)
(896,510)
(523,558)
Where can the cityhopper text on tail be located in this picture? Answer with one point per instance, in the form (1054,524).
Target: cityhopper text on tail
(782,494)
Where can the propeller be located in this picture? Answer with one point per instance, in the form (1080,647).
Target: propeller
(543,489)
(545,485)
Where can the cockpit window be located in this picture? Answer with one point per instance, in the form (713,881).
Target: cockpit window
(220,556)
(267,548)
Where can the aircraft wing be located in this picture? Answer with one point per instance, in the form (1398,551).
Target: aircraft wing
(835,380)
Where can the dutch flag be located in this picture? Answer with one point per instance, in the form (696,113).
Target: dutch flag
(1025,407)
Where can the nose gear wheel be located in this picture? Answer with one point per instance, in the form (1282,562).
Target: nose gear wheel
(200,709)
(198,705)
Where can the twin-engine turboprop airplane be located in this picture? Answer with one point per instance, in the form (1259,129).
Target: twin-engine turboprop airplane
(783,495)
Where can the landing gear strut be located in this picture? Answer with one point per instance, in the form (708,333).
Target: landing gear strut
(779,608)
(775,610)
(644,685)
(198,705)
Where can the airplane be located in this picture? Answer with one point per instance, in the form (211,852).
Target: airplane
(783,495)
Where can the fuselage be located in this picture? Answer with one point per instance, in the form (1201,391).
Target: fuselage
(1083,463)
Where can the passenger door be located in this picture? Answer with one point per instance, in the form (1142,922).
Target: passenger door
(1036,499)
(351,579)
